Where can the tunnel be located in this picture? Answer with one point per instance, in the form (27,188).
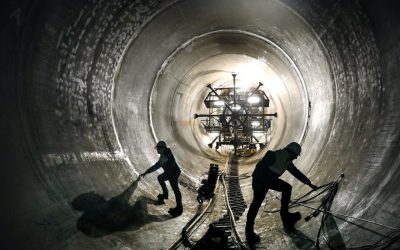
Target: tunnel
(89,87)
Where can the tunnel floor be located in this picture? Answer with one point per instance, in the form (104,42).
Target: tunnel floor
(89,87)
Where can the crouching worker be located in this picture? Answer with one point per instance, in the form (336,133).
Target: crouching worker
(171,174)
(266,176)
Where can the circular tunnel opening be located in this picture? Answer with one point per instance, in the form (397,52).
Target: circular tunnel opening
(180,87)
(98,83)
(178,79)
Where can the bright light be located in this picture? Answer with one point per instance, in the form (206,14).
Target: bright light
(243,87)
(214,134)
(257,133)
(219,103)
(255,123)
(237,107)
(253,99)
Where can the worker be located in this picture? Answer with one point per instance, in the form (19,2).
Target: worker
(266,176)
(171,173)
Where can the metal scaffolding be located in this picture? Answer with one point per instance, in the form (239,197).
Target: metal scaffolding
(236,116)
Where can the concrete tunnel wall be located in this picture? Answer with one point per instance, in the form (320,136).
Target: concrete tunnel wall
(88,88)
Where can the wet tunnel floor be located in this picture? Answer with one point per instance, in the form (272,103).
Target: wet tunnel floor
(76,115)
(132,220)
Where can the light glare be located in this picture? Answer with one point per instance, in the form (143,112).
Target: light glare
(253,99)
(219,103)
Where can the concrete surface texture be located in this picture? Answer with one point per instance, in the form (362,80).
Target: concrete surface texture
(88,87)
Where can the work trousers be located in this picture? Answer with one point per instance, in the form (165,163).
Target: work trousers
(173,181)
(260,190)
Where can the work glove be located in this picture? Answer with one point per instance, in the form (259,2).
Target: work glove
(313,187)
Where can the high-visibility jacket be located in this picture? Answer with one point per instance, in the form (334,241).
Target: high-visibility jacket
(281,163)
(274,164)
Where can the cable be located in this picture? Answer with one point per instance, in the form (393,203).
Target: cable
(328,185)
(378,245)
(326,203)
(339,215)
(296,202)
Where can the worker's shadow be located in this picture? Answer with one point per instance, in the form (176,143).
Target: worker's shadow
(301,240)
(331,231)
(101,217)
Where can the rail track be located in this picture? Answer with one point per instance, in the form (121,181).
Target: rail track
(228,186)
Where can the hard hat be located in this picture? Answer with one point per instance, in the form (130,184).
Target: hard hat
(294,147)
(161,144)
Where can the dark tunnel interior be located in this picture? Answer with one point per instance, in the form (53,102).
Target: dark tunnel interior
(89,87)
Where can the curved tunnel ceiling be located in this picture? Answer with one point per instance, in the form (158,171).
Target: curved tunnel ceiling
(98,83)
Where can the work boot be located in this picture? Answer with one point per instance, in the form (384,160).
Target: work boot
(289,220)
(252,238)
(161,198)
(176,211)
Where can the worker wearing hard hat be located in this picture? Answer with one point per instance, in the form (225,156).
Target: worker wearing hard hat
(171,174)
(266,176)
